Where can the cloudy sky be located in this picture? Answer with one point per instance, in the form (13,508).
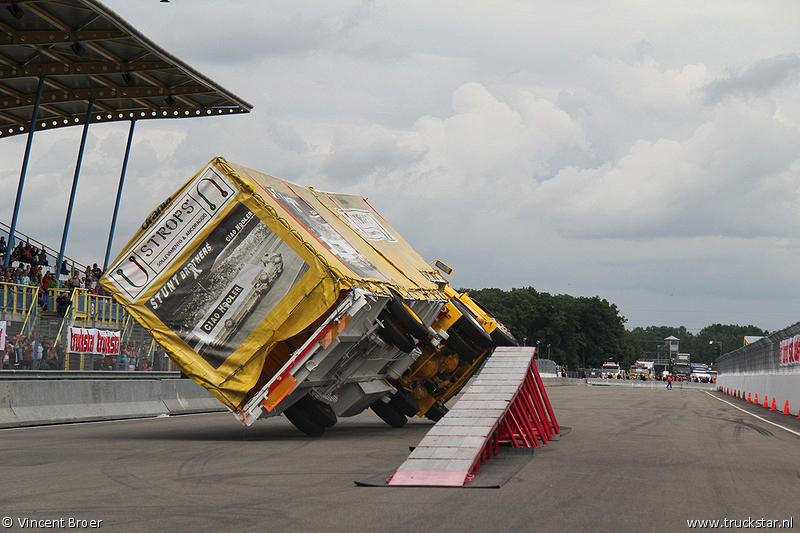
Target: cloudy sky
(644,152)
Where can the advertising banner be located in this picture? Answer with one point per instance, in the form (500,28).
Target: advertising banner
(218,280)
(93,341)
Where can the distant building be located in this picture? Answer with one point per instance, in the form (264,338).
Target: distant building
(749,339)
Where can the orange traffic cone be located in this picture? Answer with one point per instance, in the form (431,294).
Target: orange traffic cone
(773,408)
(786,408)
(756,400)
(766,401)
(748,397)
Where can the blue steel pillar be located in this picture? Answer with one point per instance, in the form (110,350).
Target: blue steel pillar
(24,171)
(119,195)
(74,187)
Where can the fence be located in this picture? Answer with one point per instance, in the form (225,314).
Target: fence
(756,371)
(760,357)
(546,367)
(38,326)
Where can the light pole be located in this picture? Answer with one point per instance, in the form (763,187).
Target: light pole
(548,350)
(717,350)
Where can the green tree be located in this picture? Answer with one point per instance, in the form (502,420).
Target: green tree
(576,332)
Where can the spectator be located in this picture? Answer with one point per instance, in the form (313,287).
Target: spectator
(38,350)
(108,363)
(27,255)
(122,361)
(10,357)
(26,350)
(62,303)
(25,280)
(3,245)
(97,272)
(61,355)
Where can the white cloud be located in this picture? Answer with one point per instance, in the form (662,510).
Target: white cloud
(642,152)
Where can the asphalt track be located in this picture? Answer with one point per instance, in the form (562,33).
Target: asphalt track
(635,460)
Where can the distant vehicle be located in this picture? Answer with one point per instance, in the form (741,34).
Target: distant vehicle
(611,370)
(680,368)
(639,369)
(700,371)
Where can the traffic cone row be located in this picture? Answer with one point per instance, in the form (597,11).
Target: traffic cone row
(774,407)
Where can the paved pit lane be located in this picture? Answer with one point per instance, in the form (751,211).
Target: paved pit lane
(635,460)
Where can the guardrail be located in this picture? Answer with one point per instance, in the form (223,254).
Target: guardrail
(760,357)
(637,383)
(32,401)
(85,374)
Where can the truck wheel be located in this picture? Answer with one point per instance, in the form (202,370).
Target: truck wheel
(435,412)
(393,335)
(321,413)
(404,402)
(298,417)
(470,326)
(389,414)
(458,344)
(406,318)
(501,337)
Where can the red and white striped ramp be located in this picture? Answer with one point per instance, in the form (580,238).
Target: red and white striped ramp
(505,404)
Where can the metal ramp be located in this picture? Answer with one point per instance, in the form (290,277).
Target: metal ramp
(506,404)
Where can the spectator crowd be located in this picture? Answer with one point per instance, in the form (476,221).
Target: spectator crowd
(41,353)
(29,269)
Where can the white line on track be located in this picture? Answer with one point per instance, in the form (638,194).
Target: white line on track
(751,414)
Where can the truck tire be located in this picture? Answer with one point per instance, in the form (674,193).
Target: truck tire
(404,402)
(435,412)
(300,419)
(389,414)
(501,337)
(461,346)
(407,319)
(321,413)
(469,326)
(393,335)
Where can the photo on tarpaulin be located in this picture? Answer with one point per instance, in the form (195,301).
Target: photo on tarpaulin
(334,241)
(227,286)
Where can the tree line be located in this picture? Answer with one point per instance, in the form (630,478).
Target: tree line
(585,332)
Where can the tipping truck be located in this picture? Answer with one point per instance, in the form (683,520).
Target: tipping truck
(283,300)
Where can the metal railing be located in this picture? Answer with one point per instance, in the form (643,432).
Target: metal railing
(52,253)
(22,310)
(760,357)
(546,366)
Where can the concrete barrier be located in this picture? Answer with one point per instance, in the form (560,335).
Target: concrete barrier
(780,387)
(559,381)
(40,402)
(635,383)
(185,396)
(7,416)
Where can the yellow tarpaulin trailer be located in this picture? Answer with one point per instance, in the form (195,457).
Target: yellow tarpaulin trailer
(281,299)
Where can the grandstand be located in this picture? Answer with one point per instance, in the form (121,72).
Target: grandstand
(77,63)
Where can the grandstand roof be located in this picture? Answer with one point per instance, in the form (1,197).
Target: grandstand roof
(88,52)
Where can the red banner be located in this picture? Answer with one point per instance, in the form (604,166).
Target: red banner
(94,341)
